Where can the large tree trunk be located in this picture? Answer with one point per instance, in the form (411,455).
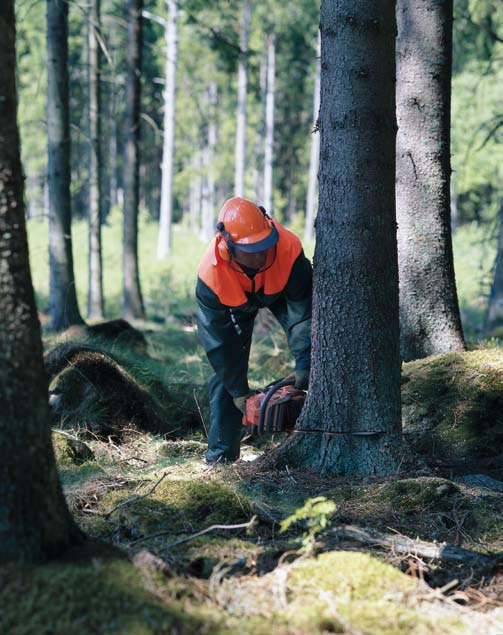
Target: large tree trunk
(132,297)
(351,420)
(168,148)
(95,291)
(35,522)
(208,202)
(64,308)
(429,312)
(240,160)
(494,318)
(269,119)
(314,159)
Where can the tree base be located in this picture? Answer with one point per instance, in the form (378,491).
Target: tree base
(342,455)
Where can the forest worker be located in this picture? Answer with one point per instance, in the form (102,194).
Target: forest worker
(252,263)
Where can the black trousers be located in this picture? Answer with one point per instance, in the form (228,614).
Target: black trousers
(226,425)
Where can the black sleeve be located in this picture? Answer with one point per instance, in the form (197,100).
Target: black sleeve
(226,334)
(293,311)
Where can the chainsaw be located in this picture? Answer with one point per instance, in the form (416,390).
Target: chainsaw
(275,408)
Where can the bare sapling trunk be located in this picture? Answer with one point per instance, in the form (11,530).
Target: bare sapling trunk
(258,152)
(269,119)
(196,196)
(34,520)
(208,202)
(350,423)
(430,322)
(314,160)
(64,309)
(240,160)
(95,291)
(168,147)
(131,290)
(494,318)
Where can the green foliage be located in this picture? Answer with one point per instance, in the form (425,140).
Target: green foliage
(315,513)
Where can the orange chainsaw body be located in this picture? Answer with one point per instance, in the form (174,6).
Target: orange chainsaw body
(280,412)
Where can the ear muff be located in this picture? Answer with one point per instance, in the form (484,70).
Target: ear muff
(221,249)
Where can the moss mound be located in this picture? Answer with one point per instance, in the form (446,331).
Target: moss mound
(417,495)
(70,451)
(453,408)
(105,597)
(182,506)
(104,394)
(338,592)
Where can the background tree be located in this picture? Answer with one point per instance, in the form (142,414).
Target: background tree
(429,314)
(95,292)
(494,318)
(168,146)
(314,160)
(64,308)
(351,419)
(240,160)
(132,297)
(35,522)
(269,119)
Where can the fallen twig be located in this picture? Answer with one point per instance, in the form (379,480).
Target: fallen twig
(250,523)
(432,550)
(136,498)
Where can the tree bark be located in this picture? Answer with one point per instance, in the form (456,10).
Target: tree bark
(314,159)
(269,120)
(208,197)
(350,423)
(258,151)
(240,160)
(168,148)
(64,309)
(95,291)
(195,195)
(494,318)
(429,313)
(131,292)
(34,521)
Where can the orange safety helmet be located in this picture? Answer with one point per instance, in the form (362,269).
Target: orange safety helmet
(246,226)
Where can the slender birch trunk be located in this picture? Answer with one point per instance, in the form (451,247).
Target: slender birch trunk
(494,318)
(269,120)
(240,160)
(208,202)
(95,292)
(64,307)
(195,195)
(168,149)
(258,153)
(314,160)
(131,290)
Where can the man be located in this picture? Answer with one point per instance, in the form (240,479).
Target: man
(252,263)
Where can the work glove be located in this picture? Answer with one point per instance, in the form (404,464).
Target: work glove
(300,378)
(240,402)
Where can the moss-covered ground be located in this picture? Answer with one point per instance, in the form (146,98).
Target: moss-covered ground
(141,497)
(141,500)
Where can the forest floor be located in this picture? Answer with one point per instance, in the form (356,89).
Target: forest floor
(142,496)
(130,420)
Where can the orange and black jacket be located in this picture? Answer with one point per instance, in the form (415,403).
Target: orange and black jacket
(228,301)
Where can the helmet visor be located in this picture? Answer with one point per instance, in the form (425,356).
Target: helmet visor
(253,263)
(261,245)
